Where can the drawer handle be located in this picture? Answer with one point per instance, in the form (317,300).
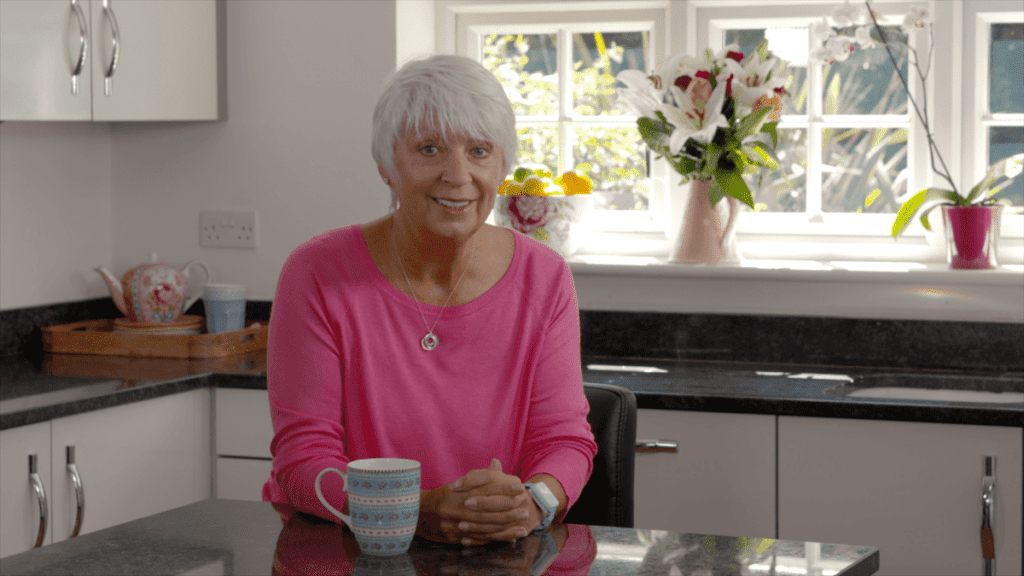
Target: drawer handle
(76,480)
(37,484)
(644,446)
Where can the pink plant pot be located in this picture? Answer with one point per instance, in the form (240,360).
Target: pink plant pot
(972,233)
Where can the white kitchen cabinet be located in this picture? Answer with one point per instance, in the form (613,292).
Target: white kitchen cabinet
(720,481)
(166,60)
(243,435)
(911,489)
(134,460)
(19,506)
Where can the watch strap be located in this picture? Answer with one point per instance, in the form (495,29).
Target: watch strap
(547,509)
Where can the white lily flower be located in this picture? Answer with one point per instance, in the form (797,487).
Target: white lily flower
(689,122)
(640,96)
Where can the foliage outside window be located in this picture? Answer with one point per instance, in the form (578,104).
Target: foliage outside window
(562,87)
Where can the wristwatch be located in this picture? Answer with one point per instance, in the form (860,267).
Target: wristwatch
(545,500)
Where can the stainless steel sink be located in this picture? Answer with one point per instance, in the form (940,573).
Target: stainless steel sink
(1003,389)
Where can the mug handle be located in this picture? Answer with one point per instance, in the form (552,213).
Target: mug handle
(316,485)
(194,299)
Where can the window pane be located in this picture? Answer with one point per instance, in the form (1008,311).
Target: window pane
(614,159)
(866,82)
(858,162)
(1007,61)
(783,190)
(1006,141)
(597,58)
(538,145)
(789,44)
(527,66)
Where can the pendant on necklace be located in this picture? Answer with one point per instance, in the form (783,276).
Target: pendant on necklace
(429,342)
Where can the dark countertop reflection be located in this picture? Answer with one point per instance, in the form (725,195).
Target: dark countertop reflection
(239,537)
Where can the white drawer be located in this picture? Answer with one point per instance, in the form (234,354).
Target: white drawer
(242,478)
(243,423)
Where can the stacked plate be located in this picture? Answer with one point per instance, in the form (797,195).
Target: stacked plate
(184,325)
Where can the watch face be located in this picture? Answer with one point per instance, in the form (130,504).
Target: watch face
(544,493)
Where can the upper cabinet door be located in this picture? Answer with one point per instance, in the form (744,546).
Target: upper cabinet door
(154,60)
(41,44)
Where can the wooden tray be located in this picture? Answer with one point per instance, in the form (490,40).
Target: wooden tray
(99,337)
(141,369)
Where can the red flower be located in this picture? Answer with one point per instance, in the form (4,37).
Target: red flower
(737,56)
(728,86)
(528,213)
(683,82)
(703,74)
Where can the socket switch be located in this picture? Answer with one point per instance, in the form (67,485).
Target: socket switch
(227,228)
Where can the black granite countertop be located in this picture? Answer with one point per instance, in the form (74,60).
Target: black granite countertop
(66,384)
(238,537)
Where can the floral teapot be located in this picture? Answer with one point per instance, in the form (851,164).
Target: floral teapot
(153,292)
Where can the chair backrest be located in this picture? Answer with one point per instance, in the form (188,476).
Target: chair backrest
(607,499)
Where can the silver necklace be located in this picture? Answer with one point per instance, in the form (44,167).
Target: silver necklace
(430,340)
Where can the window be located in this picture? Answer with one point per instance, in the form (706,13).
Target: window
(999,94)
(851,148)
(561,82)
(558,68)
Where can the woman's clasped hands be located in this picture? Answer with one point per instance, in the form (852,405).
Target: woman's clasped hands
(483,506)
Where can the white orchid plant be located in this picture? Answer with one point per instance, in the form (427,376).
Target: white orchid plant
(855,24)
(712,117)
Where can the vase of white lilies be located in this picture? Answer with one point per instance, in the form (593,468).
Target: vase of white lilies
(713,118)
(971,219)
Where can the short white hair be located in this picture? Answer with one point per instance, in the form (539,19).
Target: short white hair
(452,94)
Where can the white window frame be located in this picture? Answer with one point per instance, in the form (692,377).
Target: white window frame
(983,118)
(464,24)
(792,237)
(650,220)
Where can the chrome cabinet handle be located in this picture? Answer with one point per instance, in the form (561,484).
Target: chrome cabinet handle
(988,484)
(83,45)
(37,484)
(115,43)
(76,480)
(644,446)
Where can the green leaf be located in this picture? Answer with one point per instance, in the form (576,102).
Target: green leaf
(732,184)
(770,129)
(911,206)
(752,123)
(764,156)
(1005,168)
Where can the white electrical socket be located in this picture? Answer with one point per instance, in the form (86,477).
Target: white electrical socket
(227,228)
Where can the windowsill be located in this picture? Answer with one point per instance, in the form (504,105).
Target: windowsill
(886,290)
(802,270)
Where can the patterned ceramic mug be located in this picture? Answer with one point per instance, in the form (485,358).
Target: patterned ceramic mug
(384,502)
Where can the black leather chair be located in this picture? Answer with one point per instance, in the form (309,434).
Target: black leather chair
(607,499)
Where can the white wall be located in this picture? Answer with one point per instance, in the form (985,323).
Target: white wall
(302,80)
(55,218)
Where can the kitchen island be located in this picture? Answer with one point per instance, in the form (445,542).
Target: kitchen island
(235,537)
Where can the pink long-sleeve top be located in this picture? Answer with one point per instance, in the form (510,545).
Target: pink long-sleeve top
(348,378)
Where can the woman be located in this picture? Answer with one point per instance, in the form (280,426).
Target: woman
(429,334)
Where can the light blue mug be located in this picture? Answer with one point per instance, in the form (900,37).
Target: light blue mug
(383,501)
(225,307)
